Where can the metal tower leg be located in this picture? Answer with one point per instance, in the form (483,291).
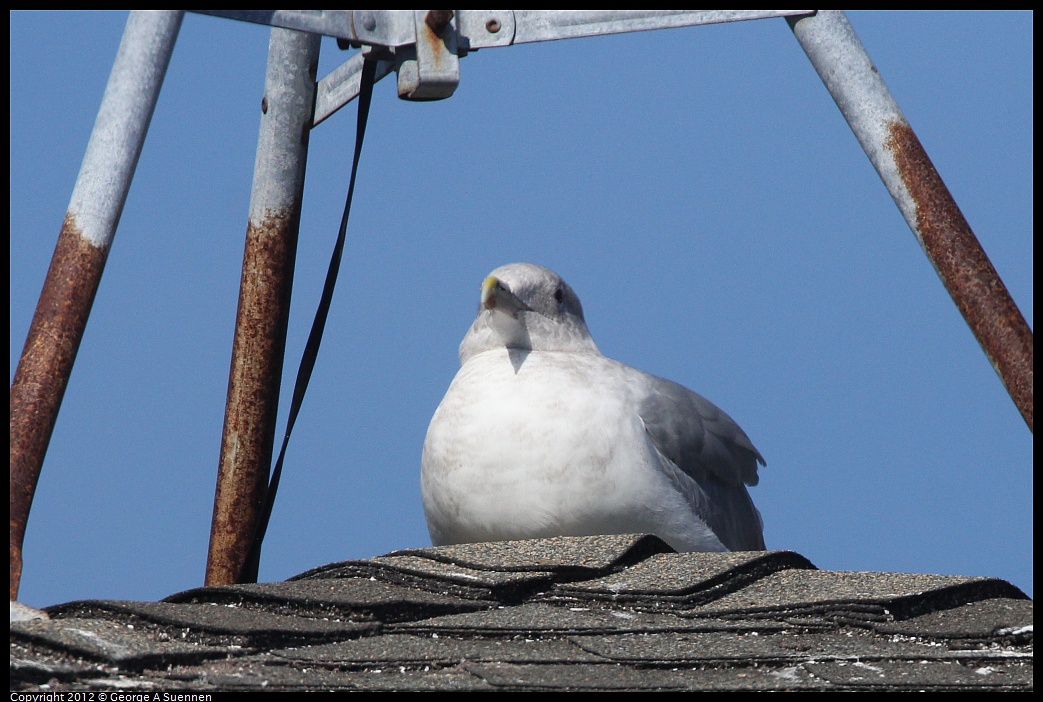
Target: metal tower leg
(264,300)
(79,257)
(927,205)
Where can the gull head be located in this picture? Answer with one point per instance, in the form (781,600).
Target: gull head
(527,307)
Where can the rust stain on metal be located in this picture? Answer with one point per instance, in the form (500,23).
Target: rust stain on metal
(253,392)
(437,20)
(44,368)
(965,269)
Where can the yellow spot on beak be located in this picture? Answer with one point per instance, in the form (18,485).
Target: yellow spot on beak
(489,286)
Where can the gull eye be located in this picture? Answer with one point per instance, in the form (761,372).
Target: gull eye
(559,295)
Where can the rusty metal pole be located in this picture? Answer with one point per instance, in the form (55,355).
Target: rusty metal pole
(79,257)
(943,232)
(264,300)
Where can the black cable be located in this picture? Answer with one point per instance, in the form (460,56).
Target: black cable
(311,349)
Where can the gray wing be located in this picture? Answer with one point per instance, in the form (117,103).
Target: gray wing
(714,452)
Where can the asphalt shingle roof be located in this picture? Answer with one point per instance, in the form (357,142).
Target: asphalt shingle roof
(570,614)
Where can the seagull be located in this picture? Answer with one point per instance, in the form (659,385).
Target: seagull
(541,435)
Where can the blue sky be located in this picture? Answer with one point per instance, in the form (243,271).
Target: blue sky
(697,187)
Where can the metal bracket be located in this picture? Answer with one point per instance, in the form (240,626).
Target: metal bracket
(341,85)
(433,70)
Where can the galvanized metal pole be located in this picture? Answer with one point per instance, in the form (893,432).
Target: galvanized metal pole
(79,257)
(264,300)
(880,127)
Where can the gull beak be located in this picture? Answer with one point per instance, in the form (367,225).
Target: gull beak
(497,297)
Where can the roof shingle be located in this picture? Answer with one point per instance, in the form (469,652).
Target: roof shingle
(586,613)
